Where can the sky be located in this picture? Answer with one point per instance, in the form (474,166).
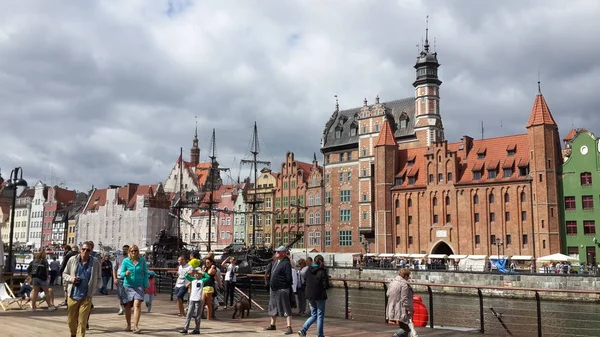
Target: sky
(106,92)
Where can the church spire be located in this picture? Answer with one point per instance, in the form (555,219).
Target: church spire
(426,45)
(195,150)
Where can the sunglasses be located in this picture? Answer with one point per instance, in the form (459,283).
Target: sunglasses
(85,250)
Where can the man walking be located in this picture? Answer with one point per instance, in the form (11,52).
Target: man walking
(54,269)
(81,276)
(280,284)
(117,277)
(106,274)
(69,253)
(181,285)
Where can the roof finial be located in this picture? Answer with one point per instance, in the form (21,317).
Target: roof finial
(337,103)
(426,45)
(314,156)
(377,99)
(196,133)
(539,85)
(365,102)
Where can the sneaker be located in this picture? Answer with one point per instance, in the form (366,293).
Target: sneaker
(183,331)
(270,327)
(63,304)
(52,309)
(120,311)
(195,332)
(288,331)
(301,333)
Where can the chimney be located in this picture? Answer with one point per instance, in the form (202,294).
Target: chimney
(467,144)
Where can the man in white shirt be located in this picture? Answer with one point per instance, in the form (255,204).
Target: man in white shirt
(181,285)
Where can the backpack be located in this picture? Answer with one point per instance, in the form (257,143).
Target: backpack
(39,270)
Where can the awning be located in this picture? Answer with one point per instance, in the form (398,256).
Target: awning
(401,255)
(495,257)
(30,243)
(521,257)
(477,257)
(370,254)
(437,256)
(386,255)
(417,256)
(457,256)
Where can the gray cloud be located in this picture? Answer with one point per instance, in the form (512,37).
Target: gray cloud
(106,92)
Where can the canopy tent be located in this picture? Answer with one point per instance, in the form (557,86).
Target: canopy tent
(437,256)
(477,257)
(522,258)
(496,257)
(370,254)
(457,256)
(401,255)
(386,255)
(417,256)
(557,258)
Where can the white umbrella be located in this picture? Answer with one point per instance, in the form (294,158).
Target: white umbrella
(557,258)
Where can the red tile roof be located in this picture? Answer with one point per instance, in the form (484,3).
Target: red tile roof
(540,113)
(202,172)
(127,196)
(574,133)
(64,196)
(386,137)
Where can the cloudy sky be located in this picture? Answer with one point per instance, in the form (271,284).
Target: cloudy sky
(106,92)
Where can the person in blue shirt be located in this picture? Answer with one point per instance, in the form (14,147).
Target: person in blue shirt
(134,271)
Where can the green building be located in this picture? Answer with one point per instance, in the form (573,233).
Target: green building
(579,191)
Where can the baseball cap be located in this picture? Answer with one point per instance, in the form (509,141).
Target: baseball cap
(281,249)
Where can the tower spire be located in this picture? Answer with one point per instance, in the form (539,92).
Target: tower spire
(426,45)
(195,150)
(539,85)
(337,103)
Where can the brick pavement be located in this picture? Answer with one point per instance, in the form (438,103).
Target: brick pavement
(164,322)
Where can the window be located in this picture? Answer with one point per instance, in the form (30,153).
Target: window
(341,175)
(476,175)
(476,217)
(491,198)
(311,200)
(327,178)
(448,218)
(475,199)
(570,203)
(310,220)
(410,219)
(523,215)
(506,197)
(511,153)
(434,201)
(447,200)
(493,239)
(345,195)
(440,177)
(523,197)
(542,223)
(435,218)
(412,180)
(376,127)
(342,156)
(589,227)
(587,202)
(508,239)
(345,238)
(544,244)
(410,240)
(364,173)
(345,215)
(364,152)
(364,197)
(525,239)
(507,216)
(397,203)
(523,171)
(449,176)
(348,175)
(327,216)
(285,201)
(508,172)
(317,200)
(318,218)
(328,197)
(353,131)
(285,185)
(293,184)
(571,227)
(277,203)
(349,155)
(365,216)
(491,174)
(327,238)
(492,216)
(409,202)
(586,179)
(477,239)
(397,220)
(431,178)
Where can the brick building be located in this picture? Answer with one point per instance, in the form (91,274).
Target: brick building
(58,199)
(417,193)
(262,221)
(316,229)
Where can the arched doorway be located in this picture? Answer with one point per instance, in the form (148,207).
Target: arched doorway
(442,248)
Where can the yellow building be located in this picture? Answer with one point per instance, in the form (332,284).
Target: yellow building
(263,195)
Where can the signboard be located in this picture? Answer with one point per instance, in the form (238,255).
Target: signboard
(441,233)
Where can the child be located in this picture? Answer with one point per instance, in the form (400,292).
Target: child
(25,291)
(150,291)
(197,279)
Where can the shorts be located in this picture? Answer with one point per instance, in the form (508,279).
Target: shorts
(38,282)
(121,292)
(180,292)
(134,294)
(279,303)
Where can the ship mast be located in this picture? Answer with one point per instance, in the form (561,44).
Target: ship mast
(254,162)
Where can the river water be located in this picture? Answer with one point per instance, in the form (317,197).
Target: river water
(559,318)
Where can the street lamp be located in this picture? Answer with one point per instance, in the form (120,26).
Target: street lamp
(15,181)
(304,239)
(498,243)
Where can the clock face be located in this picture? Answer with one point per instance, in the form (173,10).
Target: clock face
(584,150)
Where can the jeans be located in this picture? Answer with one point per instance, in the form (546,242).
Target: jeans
(53,275)
(404,330)
(193,312)
(229,293)
(301,301)
(105,280)
(317,313)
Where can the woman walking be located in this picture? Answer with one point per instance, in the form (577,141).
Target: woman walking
(317,283)
(38,270)
(134,271)
(209,286)
(400,303)
(230,279)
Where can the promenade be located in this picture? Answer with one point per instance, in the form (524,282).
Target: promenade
(163,321)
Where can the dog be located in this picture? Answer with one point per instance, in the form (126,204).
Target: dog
(240,307)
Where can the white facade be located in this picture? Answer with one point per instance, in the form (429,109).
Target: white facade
(198,232)
(189,181)
(112,225)
(22,221)
(37,216)
(239,218)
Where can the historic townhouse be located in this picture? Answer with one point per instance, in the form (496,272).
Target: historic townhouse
(290,194)
(58,199)
(262,219)
(132,214)
(418,193)
(319,235)
(580,194)
(23,218)
(239,219)
(63,217)
(37,215)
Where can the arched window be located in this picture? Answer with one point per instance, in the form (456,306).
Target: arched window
(397,203)
(434,201)
(475,199)
(506,197)
(492,198)
(409,202)
(523,197)
(447,200)
(586,179)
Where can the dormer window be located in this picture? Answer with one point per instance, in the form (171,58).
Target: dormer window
(481,153)
(403,120)
(353,131)
(410,163)
(492,174)
(508,172)
(476,175)
(400,181)
(376,127)
(511,150)
(338,134)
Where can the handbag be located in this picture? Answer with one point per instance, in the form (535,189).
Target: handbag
(413,332)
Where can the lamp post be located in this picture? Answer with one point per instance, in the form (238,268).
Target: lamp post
(498,243)
(304,239)
(15,181)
